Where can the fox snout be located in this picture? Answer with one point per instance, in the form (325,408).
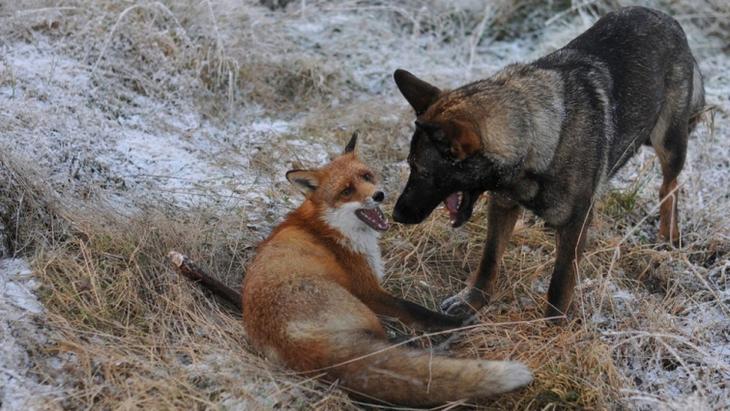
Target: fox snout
(368,211)
(373,200)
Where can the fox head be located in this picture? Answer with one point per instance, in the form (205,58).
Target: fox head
(345,191)
(448,161)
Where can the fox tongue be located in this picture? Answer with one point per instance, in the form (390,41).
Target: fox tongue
(452,204)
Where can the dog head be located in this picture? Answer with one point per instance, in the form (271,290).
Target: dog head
(447,161)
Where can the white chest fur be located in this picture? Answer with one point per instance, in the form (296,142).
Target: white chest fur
(359,237)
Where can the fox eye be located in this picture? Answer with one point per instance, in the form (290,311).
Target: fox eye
(369,177)
(346,192)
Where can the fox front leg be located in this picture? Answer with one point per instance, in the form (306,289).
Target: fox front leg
(413,314)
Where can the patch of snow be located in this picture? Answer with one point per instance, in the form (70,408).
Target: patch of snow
(19,389)
(270,126)
(258,391)
(152,152)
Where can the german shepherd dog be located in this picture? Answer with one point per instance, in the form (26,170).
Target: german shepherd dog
(548,135)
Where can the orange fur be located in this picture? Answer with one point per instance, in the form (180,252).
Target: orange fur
(311,303)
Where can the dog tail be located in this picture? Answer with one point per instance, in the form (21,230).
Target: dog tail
(194,273)
(375,369)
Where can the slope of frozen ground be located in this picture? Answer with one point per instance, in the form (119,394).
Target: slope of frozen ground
(152,149)
(20,312)
(96,137)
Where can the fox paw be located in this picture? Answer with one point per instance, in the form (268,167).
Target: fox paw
(465,303)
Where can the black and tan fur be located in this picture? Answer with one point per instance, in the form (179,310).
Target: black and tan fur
(548,135)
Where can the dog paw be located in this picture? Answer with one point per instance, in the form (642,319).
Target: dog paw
(665,245)
(555,316)
(465,303)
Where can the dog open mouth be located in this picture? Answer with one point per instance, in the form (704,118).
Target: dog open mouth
(460,205)
(373,217)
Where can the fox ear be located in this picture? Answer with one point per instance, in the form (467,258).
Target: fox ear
(350,147)
(419,94)
(305,180)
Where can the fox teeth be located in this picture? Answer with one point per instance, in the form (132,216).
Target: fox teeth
(461,198)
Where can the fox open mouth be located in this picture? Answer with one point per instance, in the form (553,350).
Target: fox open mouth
(373,217)
(460,205)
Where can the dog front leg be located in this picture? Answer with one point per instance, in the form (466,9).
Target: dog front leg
(502,215)
(569,240)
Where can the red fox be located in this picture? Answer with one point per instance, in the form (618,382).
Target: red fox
(311,299)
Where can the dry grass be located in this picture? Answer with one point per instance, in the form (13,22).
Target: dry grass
(132,334)
(649,327)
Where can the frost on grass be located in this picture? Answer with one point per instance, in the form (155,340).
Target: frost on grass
(197,109)
(20,310)
(152,151)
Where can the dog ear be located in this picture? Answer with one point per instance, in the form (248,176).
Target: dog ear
(305,180)
(419,94)
(350,147)
(455,138)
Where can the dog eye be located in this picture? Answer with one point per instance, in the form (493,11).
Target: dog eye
(346,192)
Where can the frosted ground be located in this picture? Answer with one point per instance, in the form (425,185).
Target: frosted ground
(194,110)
